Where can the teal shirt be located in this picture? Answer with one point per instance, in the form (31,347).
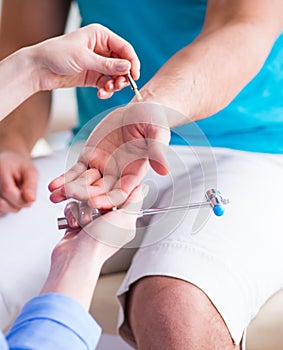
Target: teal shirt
(157,29)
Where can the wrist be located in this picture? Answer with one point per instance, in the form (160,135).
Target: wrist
(171,109)
(27,74)
(17,75)
(75,267)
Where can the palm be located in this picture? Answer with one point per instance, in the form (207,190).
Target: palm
(116,156)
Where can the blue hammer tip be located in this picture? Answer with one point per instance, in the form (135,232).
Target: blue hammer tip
(218,210)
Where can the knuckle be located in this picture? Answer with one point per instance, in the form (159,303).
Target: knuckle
(72,192)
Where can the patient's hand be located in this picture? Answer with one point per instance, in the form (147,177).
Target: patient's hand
(18,182)
(116,157)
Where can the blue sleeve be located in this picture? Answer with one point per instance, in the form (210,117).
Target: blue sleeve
(53,321)
(3,343)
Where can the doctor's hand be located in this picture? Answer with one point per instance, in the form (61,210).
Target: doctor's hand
(116,157)
(90,56)
(114,228)
(77,259)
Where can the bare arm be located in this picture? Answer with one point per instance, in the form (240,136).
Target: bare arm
(235,41)
(24,23)
(197,81)
(45,66)
(77,259)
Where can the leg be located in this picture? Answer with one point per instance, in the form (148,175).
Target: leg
(229,258)
(168,313)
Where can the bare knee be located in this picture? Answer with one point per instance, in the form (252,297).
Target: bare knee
(168,313)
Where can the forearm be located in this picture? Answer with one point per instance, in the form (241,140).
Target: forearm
(205,76)
(24,126)
(20,131)
(17,84)
(75,273)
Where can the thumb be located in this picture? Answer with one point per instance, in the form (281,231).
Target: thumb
(117,228)
(158,157)
(157,150)
(29,184)
(106,65)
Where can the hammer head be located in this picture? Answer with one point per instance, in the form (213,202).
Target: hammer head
(216,201)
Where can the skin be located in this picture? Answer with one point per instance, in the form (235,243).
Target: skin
(23,127)
(235,41)
(43,67)
(229,52)
(232,47)
(81,58)
(84,250)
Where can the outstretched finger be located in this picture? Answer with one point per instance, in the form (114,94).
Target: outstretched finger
(80,188)
(70,175)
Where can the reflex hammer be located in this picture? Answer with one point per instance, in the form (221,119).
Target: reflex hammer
(213,198)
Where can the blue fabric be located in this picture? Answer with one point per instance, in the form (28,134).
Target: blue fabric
(52,321)
(3,342)
(157,29)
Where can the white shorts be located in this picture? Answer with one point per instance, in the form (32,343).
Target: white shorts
(235,259)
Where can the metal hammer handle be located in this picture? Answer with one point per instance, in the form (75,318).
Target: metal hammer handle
(213,197)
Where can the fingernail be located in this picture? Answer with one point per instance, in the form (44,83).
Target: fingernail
(74,223)
(102,93)
(122,66)
(110,87)
(145,190)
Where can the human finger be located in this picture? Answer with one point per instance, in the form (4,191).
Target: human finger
(117,188)
(71,212)
(116,83)
(29,184)
(103,94)
(78,214)
(80,188)
(106,43)
(116,228)
(57,186)
(111,86)
(158,156)
(111,195)
(10,191)
(85,213)
(124,49)
(92,61)
(70,175)
(120,83)
(6,207)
